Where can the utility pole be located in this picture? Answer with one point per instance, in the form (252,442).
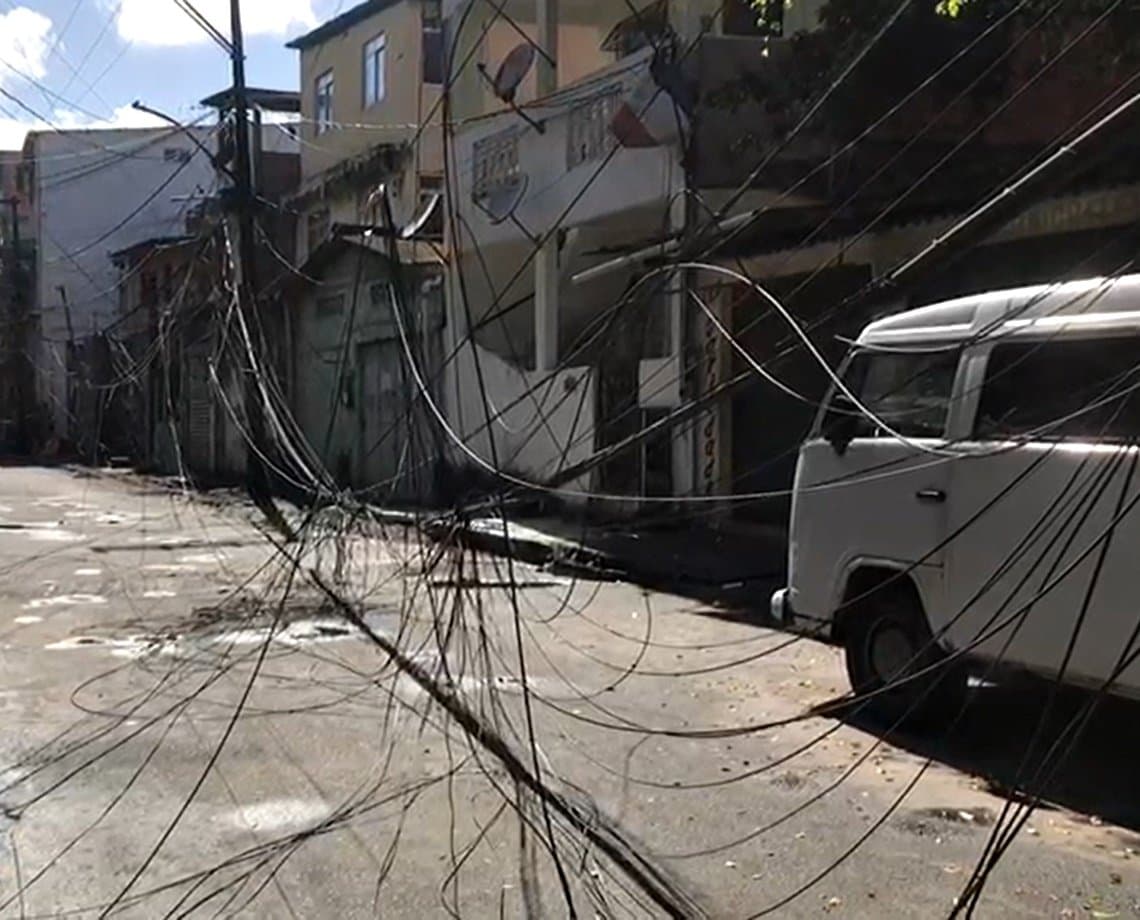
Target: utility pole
(15,365)
(245,269)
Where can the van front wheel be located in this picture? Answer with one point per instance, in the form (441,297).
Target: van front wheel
(887,640)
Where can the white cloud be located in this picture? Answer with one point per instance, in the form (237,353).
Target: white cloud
(25,42)
(124,116)
(162,23)
(25,37)
(12,131)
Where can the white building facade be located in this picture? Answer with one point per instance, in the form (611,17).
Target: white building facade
(93,193)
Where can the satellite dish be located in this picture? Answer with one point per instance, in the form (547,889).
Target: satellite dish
(513,71)
(420,221)
(500,203)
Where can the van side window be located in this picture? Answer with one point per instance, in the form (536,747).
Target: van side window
(909,391)
(1061,390)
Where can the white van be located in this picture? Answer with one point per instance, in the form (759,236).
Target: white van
(968,497)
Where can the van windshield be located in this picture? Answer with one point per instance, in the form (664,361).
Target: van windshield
(909,391)
(1062,390)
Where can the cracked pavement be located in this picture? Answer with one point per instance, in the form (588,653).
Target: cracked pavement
(133,619)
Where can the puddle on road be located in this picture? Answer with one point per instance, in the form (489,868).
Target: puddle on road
(471,686)
(44,531)
(105,517)
(88,573)
(65,600)
(63,501)
(87,642)
(298,631)
(27,620)
(926,822)
(203,558)
(295,634)
(278,815)
(155,595)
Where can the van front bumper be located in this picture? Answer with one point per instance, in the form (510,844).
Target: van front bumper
(781,607)
(788,617)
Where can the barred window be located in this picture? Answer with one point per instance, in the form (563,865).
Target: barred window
(588,135)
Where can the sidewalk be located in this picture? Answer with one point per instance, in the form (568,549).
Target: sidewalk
(732,563)
(728,563)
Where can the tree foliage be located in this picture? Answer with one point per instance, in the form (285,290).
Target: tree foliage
(976,35)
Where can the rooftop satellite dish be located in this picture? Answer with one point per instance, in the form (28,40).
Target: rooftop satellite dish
(501,202)
(513,71)
(421,220)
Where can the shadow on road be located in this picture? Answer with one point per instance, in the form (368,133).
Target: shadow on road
(994,740)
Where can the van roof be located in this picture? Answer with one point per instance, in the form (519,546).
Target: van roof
(1101,303)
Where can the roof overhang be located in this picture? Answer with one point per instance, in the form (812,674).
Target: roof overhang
(268,100)
(341,23)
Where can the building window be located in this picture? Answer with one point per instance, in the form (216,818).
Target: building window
(348,388)
(1061,390)
(332,305)
(148,289)
(910,391)
(657,340)
(374,70)
(317,228)
(433,44)
(588,135)
(324,101)
(496,163)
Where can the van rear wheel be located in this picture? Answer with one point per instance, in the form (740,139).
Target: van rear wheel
(888,639)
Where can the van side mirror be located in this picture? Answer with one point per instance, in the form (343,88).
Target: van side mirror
(841,424)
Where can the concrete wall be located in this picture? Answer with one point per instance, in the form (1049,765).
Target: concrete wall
(11,187)
(329,384)
(632,178)
(393,120)
(318,346)
(475,30)
(97,192)
(540,422)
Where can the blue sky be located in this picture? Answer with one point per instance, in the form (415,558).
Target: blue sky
(81,63)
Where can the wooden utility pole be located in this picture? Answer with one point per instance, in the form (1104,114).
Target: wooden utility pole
(16,365)
(245,271)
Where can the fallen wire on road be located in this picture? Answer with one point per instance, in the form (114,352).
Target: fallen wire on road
(588,820)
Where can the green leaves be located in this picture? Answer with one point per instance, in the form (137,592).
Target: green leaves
(951,8)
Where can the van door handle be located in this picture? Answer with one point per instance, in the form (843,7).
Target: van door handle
(934,496)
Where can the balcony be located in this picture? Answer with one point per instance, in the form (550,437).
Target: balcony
(557,162)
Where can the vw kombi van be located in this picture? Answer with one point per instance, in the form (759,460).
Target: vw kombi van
(967,498)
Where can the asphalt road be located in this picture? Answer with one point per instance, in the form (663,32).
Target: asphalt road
(192,728)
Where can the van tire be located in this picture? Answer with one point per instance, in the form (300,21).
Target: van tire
(886,636)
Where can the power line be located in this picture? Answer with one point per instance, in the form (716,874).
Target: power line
(231,48)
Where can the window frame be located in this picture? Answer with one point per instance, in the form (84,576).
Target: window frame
(961,354)
(330,305)
(324,96)
(981,387)
(375,52)
(432,24)
(318,224)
